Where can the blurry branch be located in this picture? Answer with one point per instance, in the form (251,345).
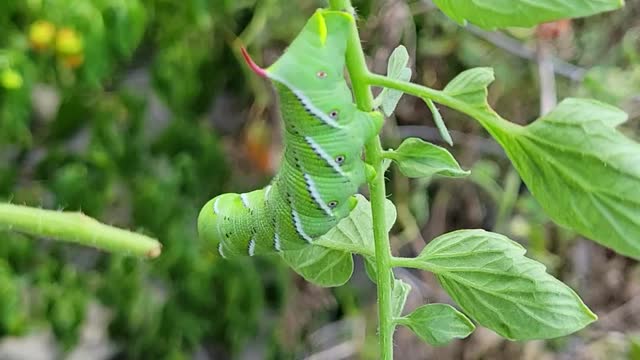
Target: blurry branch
(514,47)
(258,22)
(546,72)
(77,228)
(246,38)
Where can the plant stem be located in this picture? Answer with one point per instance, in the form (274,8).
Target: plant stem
(487,117)
(412,263)
(76,227)
(358,72)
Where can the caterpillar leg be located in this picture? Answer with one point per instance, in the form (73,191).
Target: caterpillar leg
(370,172)
(375,119)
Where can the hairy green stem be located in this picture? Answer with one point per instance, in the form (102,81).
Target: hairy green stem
(76,227)
(412,263)
(341,5)
(358,72)
(487,117)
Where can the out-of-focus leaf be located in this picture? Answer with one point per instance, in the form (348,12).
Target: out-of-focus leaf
(612,85)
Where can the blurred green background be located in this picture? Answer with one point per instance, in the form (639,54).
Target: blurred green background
(138,111)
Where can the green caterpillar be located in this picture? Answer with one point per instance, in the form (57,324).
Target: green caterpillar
(322,168)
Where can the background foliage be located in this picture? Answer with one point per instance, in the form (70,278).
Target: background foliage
(138,111)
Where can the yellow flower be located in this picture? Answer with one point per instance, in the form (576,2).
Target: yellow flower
(10,79)
(41,34)
(68,42)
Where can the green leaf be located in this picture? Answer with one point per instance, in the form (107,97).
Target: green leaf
(437,119)
(354,234)
(488,275)
(491,14)
(329,261)
(583,172)
(418,158)
(399,295)
(370,268)
(396,69)
(438,324)
(470,86)
(320,265)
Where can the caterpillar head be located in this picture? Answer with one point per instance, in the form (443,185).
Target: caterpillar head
(316,57)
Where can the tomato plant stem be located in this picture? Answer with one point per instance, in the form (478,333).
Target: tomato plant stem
(76,227)
(358,72)
(487,117)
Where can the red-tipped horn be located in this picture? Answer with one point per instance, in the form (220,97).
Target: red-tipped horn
(256,69)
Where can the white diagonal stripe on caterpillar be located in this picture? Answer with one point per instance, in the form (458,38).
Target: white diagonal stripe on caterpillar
(323,154)
(220,251)
(245,200)
(216,210)
(276,241)
(306,103)
(315,195)
(298,226)
(252,246)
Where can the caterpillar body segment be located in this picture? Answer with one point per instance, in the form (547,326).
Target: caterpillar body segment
(324,135)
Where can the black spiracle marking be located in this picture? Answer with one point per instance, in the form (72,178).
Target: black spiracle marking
(303,105)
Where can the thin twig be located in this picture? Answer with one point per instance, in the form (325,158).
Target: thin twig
(515,47)
(546,75)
